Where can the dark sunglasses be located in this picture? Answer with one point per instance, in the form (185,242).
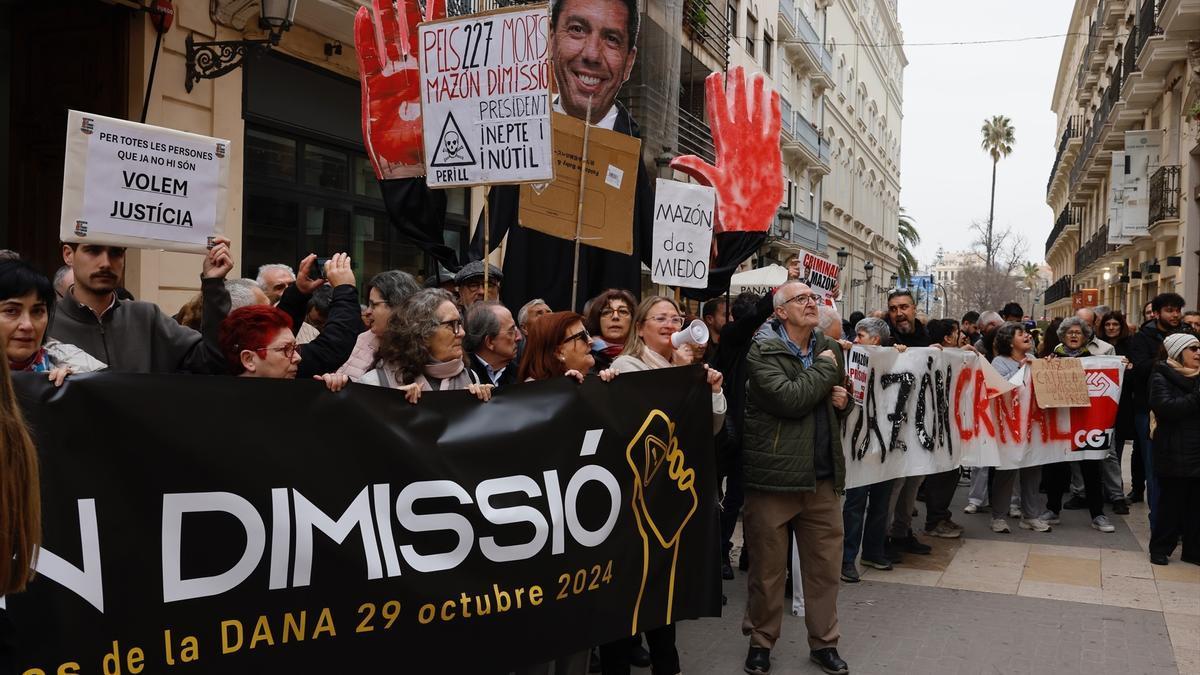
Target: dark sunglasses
(581,335)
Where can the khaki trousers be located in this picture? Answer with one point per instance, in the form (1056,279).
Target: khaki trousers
(816,518)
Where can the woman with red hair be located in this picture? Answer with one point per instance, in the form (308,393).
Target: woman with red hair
(257,341)
(558,345)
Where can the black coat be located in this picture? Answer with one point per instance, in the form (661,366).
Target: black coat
(509,376)
(1142,350)
(1175,401)
(332,347)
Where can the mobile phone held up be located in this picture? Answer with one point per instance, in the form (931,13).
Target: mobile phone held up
(318,269)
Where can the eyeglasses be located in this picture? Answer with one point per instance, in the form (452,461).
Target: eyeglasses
(676,320)
(621,312)
(454,325)
(581,335)
(288,350)
(803,299)
(1073,333)
(1192,348)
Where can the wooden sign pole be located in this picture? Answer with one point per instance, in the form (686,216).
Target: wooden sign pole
(487,232)
(587,126)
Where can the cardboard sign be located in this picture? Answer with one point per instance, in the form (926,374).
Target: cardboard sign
(683,229)
(820,274)
(141,186)
(485,98)
(609,188)
(1059,383)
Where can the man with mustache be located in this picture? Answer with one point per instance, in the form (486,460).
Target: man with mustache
(132,336)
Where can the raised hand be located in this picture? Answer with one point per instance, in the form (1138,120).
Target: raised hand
(386,42)
(748,176)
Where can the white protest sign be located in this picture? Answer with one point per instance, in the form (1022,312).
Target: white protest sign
(929,410)
(683,230)
(820,274)
(130,184)
(485,98)
(857,371)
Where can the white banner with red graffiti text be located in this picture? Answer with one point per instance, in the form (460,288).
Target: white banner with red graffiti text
(928,410)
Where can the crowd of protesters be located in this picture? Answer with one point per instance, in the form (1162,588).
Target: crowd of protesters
(775,364)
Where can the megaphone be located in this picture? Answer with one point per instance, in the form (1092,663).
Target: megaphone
(694,334)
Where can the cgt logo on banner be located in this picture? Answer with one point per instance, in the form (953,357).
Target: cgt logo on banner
(928,410)
(555,517)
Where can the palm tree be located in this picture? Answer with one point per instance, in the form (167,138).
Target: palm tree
(1032,272)
(908,240)
(998,140)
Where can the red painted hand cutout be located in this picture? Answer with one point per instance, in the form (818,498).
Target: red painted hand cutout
(386,42)
(748,176)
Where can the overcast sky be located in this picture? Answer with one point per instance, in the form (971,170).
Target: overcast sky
(948,93)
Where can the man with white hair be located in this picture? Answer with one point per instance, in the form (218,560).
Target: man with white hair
(274,279)
(64,278)
(244,292)
(530,311)
(794,470)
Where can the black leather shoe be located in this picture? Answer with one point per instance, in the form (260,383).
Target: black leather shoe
(1075,503)
(1121,507)
(911,544)
(638,656)
(726,570)
(1158,559)
(829,661)
(1136,497)
(890,551)
(758,661)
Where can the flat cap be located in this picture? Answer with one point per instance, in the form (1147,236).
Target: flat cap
(474,270)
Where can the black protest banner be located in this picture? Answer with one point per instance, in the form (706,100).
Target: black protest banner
(197,524)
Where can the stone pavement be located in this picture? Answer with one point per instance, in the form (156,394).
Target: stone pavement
(1073,600)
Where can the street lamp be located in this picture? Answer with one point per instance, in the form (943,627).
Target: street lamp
(869,267)
(210,60)
(842,255)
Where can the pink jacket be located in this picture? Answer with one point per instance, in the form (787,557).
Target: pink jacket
(362,357)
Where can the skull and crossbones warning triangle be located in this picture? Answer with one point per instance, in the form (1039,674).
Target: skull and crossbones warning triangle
(452,148)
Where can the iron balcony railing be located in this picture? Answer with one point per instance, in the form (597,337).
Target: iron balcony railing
(695,137)
(707,26)
(796,229)
(1164,194)
(1129,57)
(1067,217)
(1093,250)
(1147,24)
(1059,290)
(1093,34)
(1071,131)
(786,118)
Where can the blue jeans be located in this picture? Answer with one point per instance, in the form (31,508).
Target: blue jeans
(866,505)
(1141,424)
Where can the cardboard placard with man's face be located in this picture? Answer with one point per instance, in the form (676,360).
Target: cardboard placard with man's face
(592,53)
(592,50)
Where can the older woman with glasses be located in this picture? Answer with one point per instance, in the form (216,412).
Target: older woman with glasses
(609,316)
(385,292)
(558,345)
(422,349)
(1075,335)
(257,341)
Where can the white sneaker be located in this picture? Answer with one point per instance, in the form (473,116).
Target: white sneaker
(1103,524)
(1035,524)
(971,508)
(1014,512)
(1000,526)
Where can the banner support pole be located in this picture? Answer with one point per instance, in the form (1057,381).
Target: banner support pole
(487,239)
(587,125)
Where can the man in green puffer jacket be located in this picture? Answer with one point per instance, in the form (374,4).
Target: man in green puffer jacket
(793,472)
